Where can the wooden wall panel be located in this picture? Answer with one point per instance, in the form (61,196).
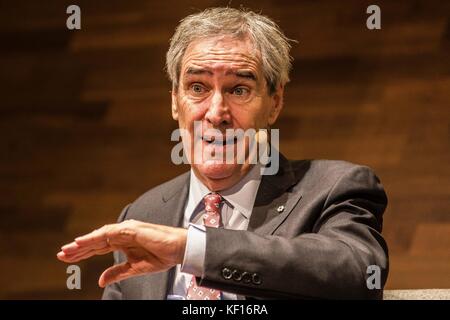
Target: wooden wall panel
(85,121)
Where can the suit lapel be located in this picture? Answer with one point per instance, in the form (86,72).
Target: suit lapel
(273,204)
(274,200)
(171,213)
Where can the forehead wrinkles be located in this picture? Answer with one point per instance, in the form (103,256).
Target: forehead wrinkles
(222,63)
(219,53)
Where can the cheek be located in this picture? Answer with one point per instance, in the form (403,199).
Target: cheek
(254,115)
(190,111)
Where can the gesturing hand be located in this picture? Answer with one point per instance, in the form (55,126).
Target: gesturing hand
(148,247)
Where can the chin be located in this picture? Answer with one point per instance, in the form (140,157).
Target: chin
(218,176)
(217,170)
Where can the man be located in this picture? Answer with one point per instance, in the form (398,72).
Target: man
(225,230)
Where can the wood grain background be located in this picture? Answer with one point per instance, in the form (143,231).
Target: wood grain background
(85,122)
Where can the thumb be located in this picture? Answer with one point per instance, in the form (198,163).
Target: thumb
(115,273)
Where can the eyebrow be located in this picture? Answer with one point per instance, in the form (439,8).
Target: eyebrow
(195,71)
(239,73)
(243,74)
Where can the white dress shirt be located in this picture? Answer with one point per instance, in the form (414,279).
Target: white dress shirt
(236,211)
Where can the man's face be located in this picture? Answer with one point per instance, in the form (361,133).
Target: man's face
(222,85)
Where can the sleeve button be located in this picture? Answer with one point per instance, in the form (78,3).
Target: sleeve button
(237,276)
(226,273)
(246,277)
(256,279)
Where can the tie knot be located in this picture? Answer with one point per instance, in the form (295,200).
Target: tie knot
(212,202)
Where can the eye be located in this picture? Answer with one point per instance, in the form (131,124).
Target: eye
(197,88)
(240,91)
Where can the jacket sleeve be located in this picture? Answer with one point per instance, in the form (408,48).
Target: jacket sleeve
(330,262)
(113,291)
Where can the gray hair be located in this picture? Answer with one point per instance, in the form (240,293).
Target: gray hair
(265,34)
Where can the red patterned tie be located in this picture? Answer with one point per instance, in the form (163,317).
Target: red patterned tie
(210,219)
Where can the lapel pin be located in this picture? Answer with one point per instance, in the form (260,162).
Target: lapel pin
(280,209)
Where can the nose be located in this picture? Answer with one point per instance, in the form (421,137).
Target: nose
(218,113)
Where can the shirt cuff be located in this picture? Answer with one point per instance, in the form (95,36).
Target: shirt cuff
(194,254)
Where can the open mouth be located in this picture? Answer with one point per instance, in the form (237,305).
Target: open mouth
(221,141)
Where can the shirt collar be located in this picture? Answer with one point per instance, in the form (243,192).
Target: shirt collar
(241,196)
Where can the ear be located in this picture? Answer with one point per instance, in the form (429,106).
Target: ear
(277,104)
(174,104)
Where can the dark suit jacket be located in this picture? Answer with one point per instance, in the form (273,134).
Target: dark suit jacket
(319,246)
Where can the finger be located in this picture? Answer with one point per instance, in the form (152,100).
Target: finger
(73,246)
(76,251)
(114,234)
(87,254)
(117,237)
(96,236)
(119,234)
(87,246)
(61,256)
(66,258)
(74,257)
(115,273)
